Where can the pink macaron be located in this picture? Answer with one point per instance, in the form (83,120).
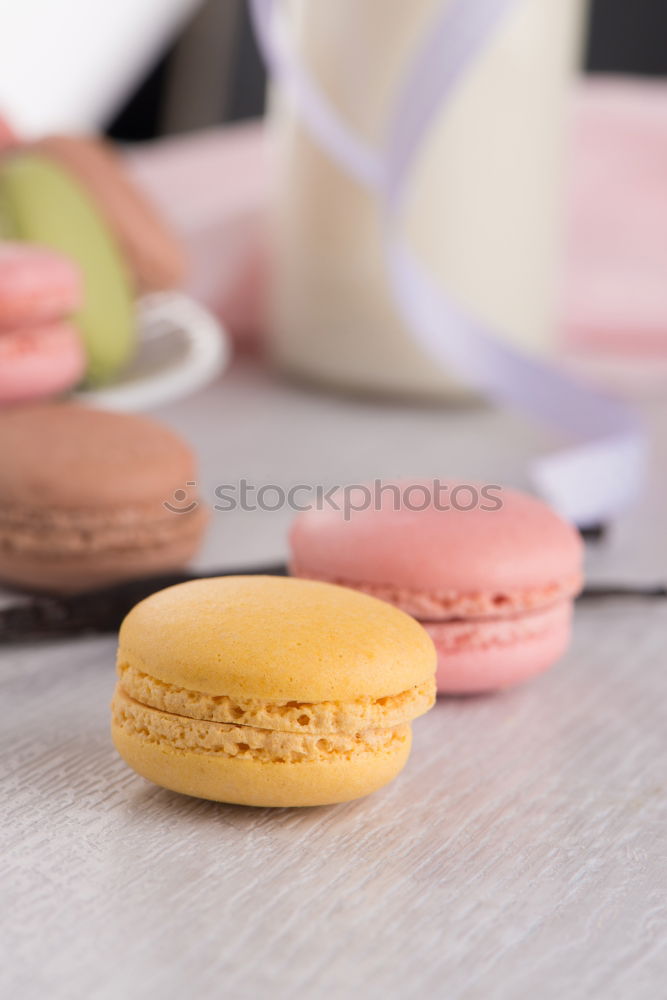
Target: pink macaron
(38,362)
(41,353)
(36,286)
(490,572)
(8,137)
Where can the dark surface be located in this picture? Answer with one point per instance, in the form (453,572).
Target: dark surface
(249,85)
(139,118)
(628,36)
(102,611)
(97,611)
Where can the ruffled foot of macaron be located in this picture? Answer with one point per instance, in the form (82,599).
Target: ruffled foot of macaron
(266,691)
(491,573)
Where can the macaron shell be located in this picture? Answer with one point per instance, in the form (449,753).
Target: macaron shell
(43,204)
(516,543)
(478,656)
(260,783)
(65,457)
(40,361)
(154,254)
(36,286)
(276,639)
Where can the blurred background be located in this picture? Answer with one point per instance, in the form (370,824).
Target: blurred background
(185,72)
(538,206)
(212,72)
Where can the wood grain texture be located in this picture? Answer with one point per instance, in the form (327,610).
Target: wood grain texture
(522,853)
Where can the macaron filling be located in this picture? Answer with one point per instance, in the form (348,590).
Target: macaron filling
(178,732)
(452,604)
(289,716)
(287,732)
(71,531)
(481,634)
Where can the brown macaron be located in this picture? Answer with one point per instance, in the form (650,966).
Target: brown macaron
(89,498)
(153,253)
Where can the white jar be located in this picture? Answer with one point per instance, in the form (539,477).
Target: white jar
(485,200)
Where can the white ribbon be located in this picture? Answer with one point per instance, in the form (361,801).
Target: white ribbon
(602,472)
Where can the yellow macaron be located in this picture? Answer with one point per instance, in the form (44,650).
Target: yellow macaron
(269,691)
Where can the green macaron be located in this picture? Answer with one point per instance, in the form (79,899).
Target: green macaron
(41,203)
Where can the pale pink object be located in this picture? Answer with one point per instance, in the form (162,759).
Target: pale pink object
(36,286)
(40,361)
(615,296)
(494,586)
(474,561)
(8,137)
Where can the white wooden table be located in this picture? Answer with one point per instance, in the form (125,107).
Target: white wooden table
(522,853)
